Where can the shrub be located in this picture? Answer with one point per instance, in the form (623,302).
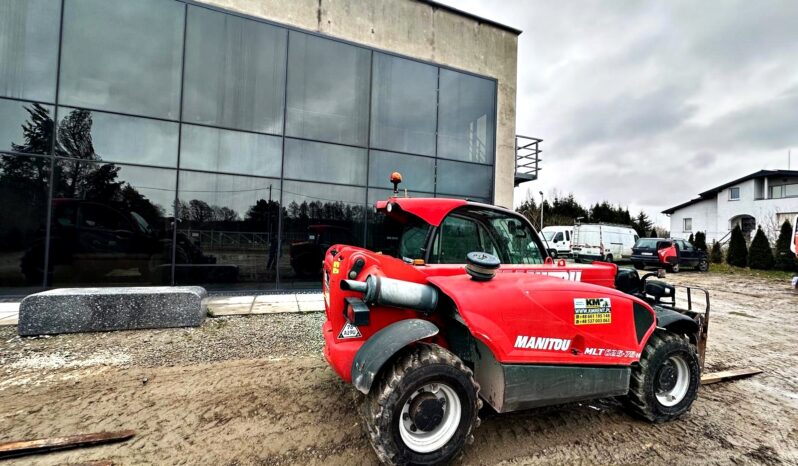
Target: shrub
(785,259)
(716,256)
(701,241)
(760,256)
(737,254)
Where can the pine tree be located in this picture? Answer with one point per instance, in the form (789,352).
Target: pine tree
(653,233)
(737,254)
(642,223)
(700,241)
(691,239)
(760,256)
(785,259)
(716,256)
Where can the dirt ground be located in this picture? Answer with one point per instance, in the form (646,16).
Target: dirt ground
(256,390)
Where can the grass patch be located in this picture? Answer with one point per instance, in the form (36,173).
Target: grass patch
(740,271)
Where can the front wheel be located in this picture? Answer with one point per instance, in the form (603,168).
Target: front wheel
(665,383)
(424,408)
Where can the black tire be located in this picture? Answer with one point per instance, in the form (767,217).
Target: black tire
(639,265)
(645,382)
(673,268)
(608,258)
(703,265)
(418,367)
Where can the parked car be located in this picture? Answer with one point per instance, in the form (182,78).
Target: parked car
(671,254)
(558,239)
(602,242)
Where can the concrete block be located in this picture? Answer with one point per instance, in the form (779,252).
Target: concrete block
(71,310)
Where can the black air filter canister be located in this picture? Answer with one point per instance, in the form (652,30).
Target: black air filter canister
(481,266)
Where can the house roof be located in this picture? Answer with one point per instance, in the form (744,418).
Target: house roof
(710,194)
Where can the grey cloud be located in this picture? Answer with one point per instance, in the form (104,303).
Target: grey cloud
(619,90)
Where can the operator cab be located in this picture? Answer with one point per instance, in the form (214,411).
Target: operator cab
(469,227)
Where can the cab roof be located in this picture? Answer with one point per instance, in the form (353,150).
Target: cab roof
(431,210)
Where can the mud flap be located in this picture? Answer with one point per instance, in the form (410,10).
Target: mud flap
(383,345)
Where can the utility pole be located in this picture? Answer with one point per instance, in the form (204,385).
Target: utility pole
(541,209)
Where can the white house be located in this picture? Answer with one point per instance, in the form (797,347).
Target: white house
(765,198)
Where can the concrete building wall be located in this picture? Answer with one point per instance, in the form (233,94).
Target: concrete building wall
(420,30)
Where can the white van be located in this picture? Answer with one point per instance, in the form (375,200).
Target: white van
(558,239)
(603,242)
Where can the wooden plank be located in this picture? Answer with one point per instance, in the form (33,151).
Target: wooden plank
(723,376)
(29,447)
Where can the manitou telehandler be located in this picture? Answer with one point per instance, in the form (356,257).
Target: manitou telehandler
(469,307)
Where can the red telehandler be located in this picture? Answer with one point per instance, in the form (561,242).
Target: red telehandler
(470,307)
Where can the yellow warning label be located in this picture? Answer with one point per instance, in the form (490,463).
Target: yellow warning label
(336,267)
(592,311)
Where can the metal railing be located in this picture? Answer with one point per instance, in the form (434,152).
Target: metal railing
(527,158)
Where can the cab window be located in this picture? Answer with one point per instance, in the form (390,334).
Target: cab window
(457,236)
(517,240)
(558,237)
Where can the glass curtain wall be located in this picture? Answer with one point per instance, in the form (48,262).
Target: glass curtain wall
(159,142)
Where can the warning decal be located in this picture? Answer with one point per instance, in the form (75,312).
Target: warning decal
(591,311)
(349,331)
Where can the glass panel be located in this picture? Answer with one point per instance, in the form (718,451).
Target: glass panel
(109,137)
(229,224)
(26,127)
(516,241)
(316,217)
(403,105)
(328,84)
(315,161)
(23,216)
(235,72)
(123,56)
(456,237)
(29,48)
(221,150)
(418,173)
(111,224)
(464,179)
(467,117)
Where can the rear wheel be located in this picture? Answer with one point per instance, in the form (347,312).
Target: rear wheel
(608,258)
(703,265)
(424,408)
(665,384)
(674,268)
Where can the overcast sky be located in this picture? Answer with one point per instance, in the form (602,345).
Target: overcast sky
(647,104)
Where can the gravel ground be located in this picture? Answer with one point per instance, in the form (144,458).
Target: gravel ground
(219,339)
(256,391)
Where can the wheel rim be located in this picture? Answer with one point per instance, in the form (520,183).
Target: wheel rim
(438,435)
(672,381)
(703,266)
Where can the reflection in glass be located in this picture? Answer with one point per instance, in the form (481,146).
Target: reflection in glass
(233,220)
(418,173)
(29,48)
(314,161)
(328,84)
(26,127)
(315,217)
(111,224)
(119,138)
(235,72)
(122,56)
(464,179)
(403,105)
(466,126)
(23,215)
(228,151)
